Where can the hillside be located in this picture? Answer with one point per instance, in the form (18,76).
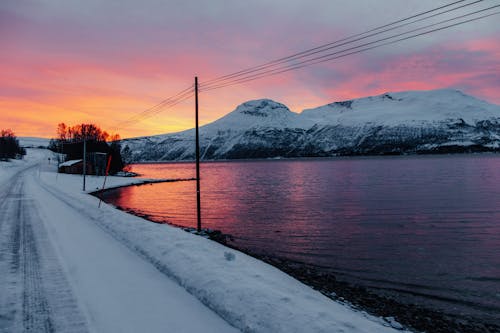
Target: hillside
(437,121)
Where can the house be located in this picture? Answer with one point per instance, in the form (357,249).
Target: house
(96,165)
(75,167)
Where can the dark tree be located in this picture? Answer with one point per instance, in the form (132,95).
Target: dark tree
(70,140)
(9,145)
(117,163)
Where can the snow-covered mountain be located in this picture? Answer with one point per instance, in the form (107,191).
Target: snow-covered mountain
(434,121)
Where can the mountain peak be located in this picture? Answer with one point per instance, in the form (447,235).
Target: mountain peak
(257,114)
(396,108)
(404,122)
(262,108)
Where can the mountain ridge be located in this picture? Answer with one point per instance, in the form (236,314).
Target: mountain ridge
(409,122)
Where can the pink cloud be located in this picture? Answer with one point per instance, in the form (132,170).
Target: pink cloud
(101,64)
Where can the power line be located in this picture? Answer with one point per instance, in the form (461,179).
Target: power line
(166,103)
(352,50)
(163,106)
(303,59)
(262,74)
(344,41)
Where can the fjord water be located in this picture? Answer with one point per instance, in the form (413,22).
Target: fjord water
(424,229)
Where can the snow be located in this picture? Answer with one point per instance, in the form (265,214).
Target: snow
(32,142)
(389,109)
(392,109)
(265,128)
(8,169)
(255,114)
(120,291)
(70,163)
(131,275)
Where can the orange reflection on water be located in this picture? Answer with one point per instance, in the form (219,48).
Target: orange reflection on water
(424,221)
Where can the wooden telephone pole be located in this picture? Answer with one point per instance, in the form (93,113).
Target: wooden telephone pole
(198,200)
(84,171)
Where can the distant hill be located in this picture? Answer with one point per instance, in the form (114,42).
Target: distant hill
(31,142)
(436,121)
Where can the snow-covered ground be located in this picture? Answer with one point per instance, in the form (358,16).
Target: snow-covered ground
(125,274)
(13,166)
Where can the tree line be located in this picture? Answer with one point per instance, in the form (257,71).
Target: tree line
(70,141)
(9,145)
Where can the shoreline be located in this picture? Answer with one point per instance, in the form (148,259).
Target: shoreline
(265,299)
(389,308)
(326,158)
(143,182)
(411,316)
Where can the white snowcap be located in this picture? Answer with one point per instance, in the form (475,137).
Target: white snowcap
(262,108)
(260,113)
(397,108)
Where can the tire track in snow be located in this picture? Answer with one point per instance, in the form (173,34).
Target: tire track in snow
(10,275)
(34,293)
(36,316)
(141,253)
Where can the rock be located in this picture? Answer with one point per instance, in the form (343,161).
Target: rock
(229,256)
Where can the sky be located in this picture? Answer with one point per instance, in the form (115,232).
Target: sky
(104,61)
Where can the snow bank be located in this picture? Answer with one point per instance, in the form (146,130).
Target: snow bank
(93,183)
(246,292)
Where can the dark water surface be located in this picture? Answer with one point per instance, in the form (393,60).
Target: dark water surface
(425,229)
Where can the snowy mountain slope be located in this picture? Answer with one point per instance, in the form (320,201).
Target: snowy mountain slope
(392,123)
(263,113)
(393,109)
(253,122)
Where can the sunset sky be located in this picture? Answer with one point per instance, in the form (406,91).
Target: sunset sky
(103,61)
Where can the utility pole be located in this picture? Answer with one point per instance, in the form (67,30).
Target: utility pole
(198,199)
(84,160)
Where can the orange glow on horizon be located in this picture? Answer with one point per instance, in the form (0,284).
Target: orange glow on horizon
(36,95)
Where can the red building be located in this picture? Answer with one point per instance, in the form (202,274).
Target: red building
(75,167)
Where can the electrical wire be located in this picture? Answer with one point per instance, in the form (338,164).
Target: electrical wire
(166,103)
(340,42)
(303,59)
(350,51)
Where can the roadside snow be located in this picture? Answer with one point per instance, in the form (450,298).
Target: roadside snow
(119,290)
(247,293)
(61,273)
(11,167)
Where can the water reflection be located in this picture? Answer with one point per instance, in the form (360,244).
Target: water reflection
(424,225)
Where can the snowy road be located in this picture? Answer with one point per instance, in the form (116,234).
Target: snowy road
(75,286)
(35,294)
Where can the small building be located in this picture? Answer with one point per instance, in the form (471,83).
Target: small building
(75,167)
(96,165)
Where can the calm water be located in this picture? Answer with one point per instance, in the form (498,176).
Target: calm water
(423,228)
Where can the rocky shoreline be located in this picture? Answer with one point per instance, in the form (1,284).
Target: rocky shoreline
(413,317)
